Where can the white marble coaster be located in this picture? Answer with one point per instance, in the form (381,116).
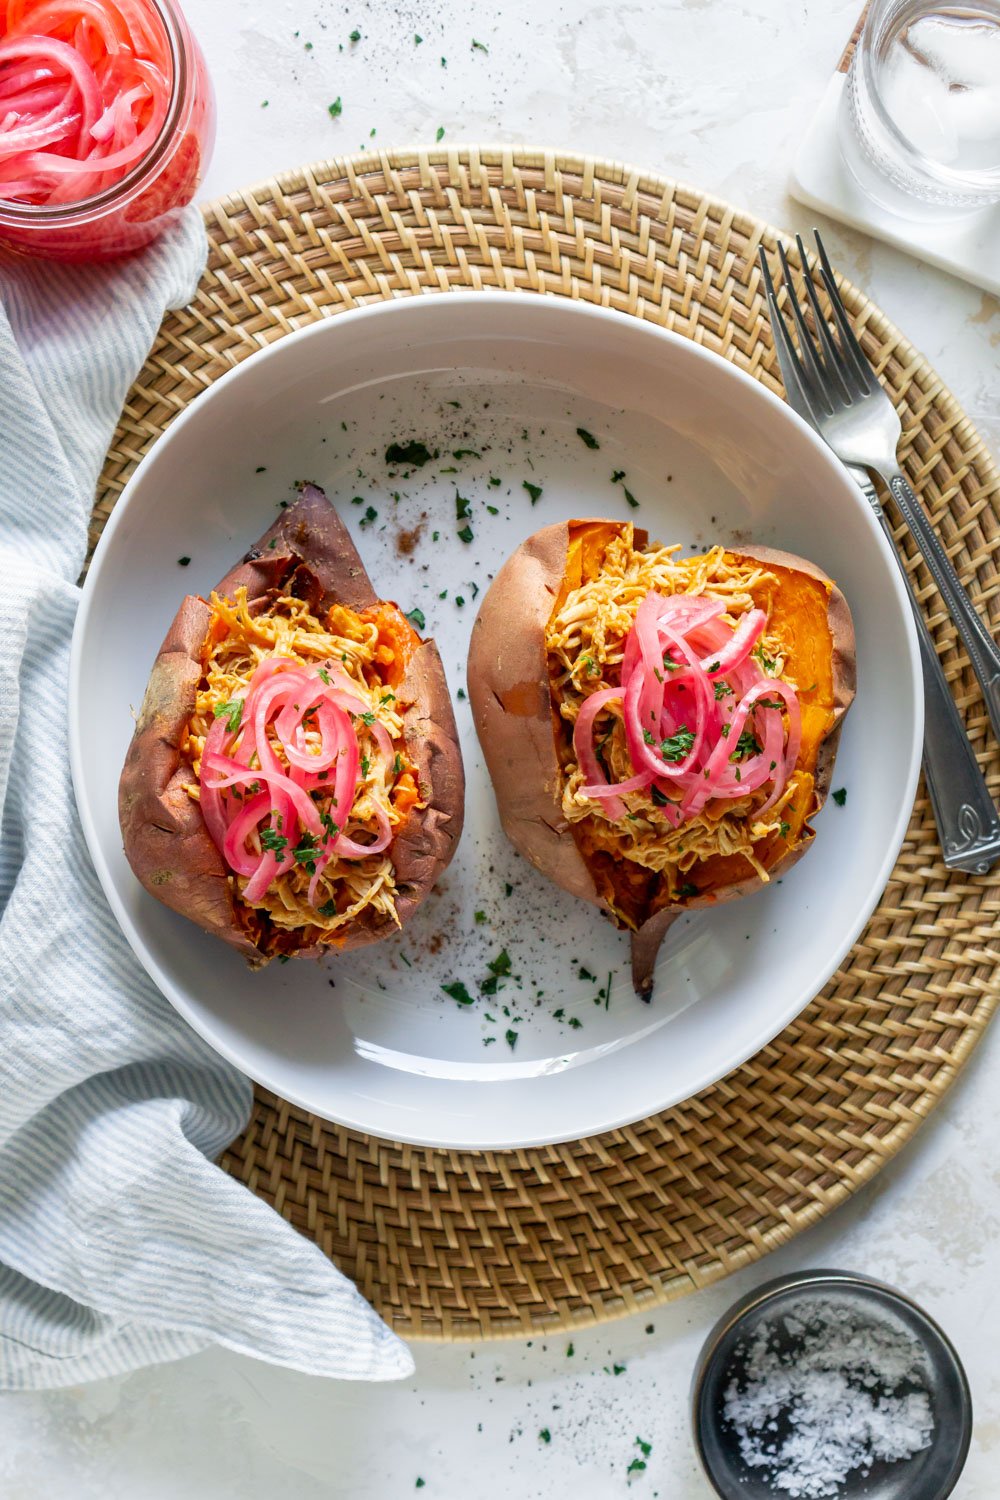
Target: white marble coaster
(968,247)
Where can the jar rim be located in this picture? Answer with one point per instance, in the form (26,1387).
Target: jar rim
(37,214)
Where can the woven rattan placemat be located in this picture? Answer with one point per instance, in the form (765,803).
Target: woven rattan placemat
(449,1244)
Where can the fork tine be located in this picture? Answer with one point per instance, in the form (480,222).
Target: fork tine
(807,345)
(836,363)
(862,368)
(788,361)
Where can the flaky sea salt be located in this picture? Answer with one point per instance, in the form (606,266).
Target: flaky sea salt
(824,1390)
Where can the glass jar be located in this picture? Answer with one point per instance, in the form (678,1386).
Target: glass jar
(135,210)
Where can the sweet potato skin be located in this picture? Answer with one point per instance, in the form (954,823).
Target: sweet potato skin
(508,687)
(309,553)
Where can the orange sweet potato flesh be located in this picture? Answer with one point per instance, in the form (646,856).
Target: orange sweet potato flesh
(526,742)
(307,552)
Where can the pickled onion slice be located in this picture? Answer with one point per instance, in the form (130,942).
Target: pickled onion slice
(259,809)
(686,740)
(85,87)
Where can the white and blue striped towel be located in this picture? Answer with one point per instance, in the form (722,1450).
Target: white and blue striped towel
(121,1244)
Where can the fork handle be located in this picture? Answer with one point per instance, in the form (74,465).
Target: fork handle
(983,652)
(967,821)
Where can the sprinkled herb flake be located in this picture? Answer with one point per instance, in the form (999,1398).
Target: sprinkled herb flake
(335,109)
(545,1435)
(463,507)
(439,133)
(511,1039)
(232,712)
(587,438)
(677,746)
(466,535)
(355,35)
(458,992)
(534,490)
(479,46)
(370,515)
(183,562)
(416,617)
(840,796)
(411,455)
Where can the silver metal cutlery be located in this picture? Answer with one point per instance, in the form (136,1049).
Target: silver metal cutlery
(831,385)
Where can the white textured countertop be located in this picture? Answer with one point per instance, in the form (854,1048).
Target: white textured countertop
(715,93)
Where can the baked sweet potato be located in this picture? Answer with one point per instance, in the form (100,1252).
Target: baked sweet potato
(559,626)
(296,619)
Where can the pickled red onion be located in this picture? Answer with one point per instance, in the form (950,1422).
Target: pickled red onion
(85,86)
(683,739)
(257,831)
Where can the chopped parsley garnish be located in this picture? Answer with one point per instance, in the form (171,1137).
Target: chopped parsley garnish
(479,46)
(493,510)
(714,667)
(678,745)
(534,490)
(323,675)
(370,515)
(305,853)
(480,916)
(769,703)
(465,534)
(747,745)
(767,662)
(417,618)
(840,796)
(410,455)
(232,712)
(330,827)
(397,764)
(658,796)
(366,765)
(500,965)
(784,829)
(494,482)
(458,597)
(722,689)
(586,975)
(644,1448)
(511,1039)
(385,698)
(335,109)
(687,889)
(588,438)
(630,497)
(466,453)
(355,35)
(545,1435)
(617,476)
(458,992)
(328,909)
(575,1022)
(367,718)
(636,1466)
(439,134)
(273,841)
(183,562)
(462,507)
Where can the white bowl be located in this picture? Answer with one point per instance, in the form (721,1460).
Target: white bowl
(710,455)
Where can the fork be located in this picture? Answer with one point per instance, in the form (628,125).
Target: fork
(853,412)
(966,818)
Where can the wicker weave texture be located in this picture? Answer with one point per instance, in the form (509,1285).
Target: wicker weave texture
(450,1244)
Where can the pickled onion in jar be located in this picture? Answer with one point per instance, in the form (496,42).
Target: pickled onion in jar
(85,87)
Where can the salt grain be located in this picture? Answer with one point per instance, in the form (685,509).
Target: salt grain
(824,1391)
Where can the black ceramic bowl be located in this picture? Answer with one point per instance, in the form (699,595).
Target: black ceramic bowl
(930,1474)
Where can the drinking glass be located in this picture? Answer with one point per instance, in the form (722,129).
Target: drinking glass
(919,122)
